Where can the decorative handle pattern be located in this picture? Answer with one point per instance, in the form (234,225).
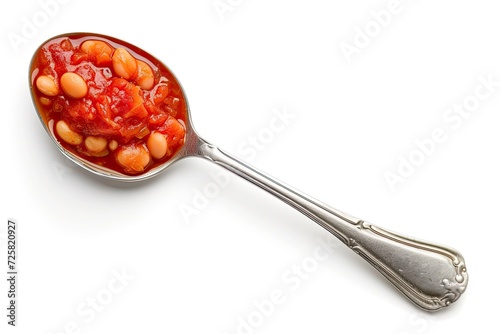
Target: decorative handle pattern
(430,275)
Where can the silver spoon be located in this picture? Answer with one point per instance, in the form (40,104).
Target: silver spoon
(430,275)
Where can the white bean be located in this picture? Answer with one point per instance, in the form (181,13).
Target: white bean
(113,145)
(145,77)
(133,158)
(68,135)
(95,144)
(124,64)
(157,145)
(74,85)
(47,85)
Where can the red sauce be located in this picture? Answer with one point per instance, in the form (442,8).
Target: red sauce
(127,114)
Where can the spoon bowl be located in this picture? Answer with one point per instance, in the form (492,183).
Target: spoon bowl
(432,276)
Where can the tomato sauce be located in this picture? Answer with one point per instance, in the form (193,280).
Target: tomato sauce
(111,103)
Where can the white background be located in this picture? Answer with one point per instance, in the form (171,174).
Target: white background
(351,123)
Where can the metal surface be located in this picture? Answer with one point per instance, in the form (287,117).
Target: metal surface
(430,275)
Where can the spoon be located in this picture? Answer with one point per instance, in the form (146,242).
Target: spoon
(432,276)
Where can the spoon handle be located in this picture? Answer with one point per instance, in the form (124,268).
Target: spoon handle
(430,275)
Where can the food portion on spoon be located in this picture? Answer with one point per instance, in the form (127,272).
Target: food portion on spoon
(108,102)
